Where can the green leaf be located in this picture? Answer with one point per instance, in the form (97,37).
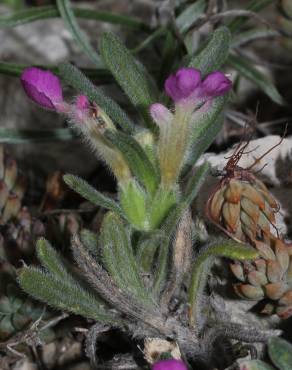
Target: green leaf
(133,79)
(146,250)
(23,136)
(280,352)
(90,241)
(118,256)
(76,79)
(133,202)
(69,19)
(206,128)
(59,294)
(161,267)
(195,183)
(51,260)
(159,206)
(247,70)
(214,54)
(137,159)
(190,15)
(45,12)
(251,35)
(92,195)
(225,248)
(253,6)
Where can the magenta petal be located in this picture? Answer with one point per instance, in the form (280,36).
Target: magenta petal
(188,79)
(183,83)
(169,365)
(82,102)
(215,84)
(43,87)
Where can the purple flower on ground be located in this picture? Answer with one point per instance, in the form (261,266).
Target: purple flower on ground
(169,365)
(215,84)
(43,87)
(183,83)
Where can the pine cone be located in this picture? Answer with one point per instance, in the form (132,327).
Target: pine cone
(245,210)
(12,187)
(269,276)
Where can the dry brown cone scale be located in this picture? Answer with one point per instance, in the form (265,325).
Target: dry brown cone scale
(17,224)
(242,206)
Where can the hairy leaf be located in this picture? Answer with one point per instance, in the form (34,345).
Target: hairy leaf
(90,241)
(51,260)
(76,79)
(92,195)
(118,256)
(133,202)
(225,248)
(133,79)
(59,294)
(136,158)
(214,54)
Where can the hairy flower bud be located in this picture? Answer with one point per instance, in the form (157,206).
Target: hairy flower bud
(215,84)
(43,87)
(183,83)
(169,365)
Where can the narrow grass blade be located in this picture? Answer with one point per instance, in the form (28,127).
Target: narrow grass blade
(46,12)
(253,6)
(247,70)
(69,19)
(23,136)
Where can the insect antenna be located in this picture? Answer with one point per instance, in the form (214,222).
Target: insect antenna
(269,151)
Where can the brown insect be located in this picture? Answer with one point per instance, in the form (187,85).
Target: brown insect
(240,204)
(94,113)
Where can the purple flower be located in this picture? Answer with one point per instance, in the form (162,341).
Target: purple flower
(183,83)
(169,365)
(215,84)
(43,87)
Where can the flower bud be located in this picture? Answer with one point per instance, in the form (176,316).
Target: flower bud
(215,84)
(183,83)
(169,365)
(43,87)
